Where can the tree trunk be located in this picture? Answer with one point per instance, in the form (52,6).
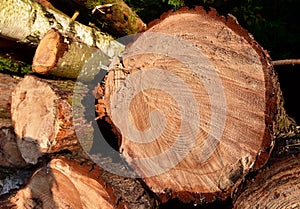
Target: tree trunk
(197,104)
(34,21)
(276,186)
(42,117)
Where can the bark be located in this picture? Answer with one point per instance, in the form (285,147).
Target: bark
(65,59)
(35,20)
(7,85)
(215,128)
(42,117)
(276,186)
(114,17)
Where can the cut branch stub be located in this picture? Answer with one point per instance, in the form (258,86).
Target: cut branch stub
(42,117)
(195,104)
(274,187)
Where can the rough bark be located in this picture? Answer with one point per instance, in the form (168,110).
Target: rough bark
(276,186)
(114,17)
(205,144)
(34,21)
(7,85)
(42,117)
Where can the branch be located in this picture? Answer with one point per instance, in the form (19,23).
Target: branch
(286,62)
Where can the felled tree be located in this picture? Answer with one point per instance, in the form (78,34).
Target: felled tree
(197,104)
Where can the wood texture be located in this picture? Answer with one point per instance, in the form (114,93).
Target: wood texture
(7,85)
(42,117)
(10,155)
(235,117)
(63,184)
(276,186)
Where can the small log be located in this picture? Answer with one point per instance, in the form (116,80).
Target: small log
(42,117)
(197,104)
(63,184)
(118,17)
(114,17)
(276,186)
(56,56)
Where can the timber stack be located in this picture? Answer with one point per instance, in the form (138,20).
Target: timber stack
(191,106)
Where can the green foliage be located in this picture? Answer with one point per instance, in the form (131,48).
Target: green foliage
(175,3)
(8,65)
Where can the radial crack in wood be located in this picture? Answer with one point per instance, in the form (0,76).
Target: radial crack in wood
(42,117)
(197,104)
(63,184)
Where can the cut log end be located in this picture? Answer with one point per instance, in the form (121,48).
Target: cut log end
(63,184)
(42,117)
(195,103)
(49,50)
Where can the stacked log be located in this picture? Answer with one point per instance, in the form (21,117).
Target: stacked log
(193,109)
(276,186)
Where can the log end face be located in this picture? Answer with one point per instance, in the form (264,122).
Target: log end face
(33,115)
(50,48)
(63,184)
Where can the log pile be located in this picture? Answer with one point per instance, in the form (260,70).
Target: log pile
(192,109)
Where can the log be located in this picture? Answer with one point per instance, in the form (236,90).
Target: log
(49,130)
(35,20)
(197,104)
(56,56)
(79,183)
(63,184)
(42,117)
(276,186)
(114,17)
